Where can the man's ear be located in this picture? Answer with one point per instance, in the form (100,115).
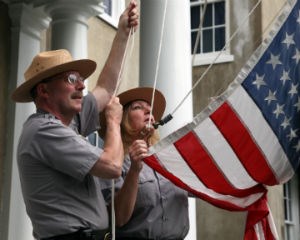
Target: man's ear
(42,90)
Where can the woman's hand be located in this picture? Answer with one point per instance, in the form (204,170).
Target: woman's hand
(146,132)
(138,150)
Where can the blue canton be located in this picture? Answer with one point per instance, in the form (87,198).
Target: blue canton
(274,85)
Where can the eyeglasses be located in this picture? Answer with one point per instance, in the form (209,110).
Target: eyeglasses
(74,78)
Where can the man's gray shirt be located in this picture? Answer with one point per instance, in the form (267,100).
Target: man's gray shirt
(54,163)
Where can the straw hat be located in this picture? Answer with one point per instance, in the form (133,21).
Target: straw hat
(140,93)
(48,64)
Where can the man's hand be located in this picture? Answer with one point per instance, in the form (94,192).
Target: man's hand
(129,18)
(114,111)
(109,75)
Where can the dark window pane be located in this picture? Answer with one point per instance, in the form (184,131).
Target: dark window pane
(100,142)
(207,41)
(219,38)
(288,190)
(195,17)
(108,7)
(284,190)
(208,16)
(213,35)
(290,211)
(219,13)
(194,36)
(92,138)
(288,232)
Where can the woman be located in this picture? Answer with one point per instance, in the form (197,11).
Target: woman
(147,205)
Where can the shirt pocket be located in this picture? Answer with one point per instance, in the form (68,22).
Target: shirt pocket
(148,192)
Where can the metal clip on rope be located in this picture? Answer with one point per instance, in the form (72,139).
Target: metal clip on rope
(163,121)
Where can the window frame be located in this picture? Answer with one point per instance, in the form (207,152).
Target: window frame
(291,225)
(95,139)
(117,8)
(216,56)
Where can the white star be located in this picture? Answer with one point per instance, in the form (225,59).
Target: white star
(292,134)
(286,122)
(285,76)
(274,60)
(271,97)
(298,20)
(297,147)
(259,81)
(289,40)
(278,110)
(293,90)
(297,56)
(297,105)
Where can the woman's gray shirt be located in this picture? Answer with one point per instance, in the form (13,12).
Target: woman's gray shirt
(161,209)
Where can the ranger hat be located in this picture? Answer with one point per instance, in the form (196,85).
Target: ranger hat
(139,93)
(48,64)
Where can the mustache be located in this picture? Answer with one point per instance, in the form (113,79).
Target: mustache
(77,95)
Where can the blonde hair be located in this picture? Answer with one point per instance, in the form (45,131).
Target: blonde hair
(128,133)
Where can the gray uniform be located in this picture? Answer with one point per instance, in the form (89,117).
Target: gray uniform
(161,209)
(54,163)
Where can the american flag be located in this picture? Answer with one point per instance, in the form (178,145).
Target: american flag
(246,138)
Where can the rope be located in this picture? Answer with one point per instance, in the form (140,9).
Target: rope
(131,35)
(113,215)
(269,25)
(157,62)
(216,58)
(169,117)
(113,218)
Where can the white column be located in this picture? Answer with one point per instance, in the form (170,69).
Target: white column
(175,71)
(69,24)
(27,25)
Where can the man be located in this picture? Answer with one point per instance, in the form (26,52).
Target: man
(58,168)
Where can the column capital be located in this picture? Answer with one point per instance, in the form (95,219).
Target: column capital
(27,19)
(77,10)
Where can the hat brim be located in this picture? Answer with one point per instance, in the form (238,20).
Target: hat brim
(140,93)
(85,67)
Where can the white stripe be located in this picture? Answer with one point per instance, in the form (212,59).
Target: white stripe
(265,138)
(223,155)
(259,231)
(259,228)
(172,161)
(272,224)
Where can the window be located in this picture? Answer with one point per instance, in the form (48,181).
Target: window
(214,34)
(107,7)
(95,140)
(112,11)
(291,209)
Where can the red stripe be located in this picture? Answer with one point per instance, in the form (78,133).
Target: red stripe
(267,230)
(243,145)
(153,163)
(258,213)
(205,168)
